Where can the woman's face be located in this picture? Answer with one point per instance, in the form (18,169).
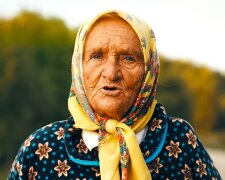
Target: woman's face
(113,67)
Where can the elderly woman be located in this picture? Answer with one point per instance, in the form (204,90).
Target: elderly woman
(117,129)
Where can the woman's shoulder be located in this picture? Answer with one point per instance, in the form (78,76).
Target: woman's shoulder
(178,123)
(52,126)
(181,130)
(43,137)
(49,130)
(182,155)
(174,124)
(37,145)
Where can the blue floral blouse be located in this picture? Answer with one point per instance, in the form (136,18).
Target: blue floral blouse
(57,151)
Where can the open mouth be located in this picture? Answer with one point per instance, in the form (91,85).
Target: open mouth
(111,91)
(110,88)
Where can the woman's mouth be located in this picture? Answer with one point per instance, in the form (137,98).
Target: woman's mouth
(111,91)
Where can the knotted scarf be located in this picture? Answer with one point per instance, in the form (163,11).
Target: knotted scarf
(117,140)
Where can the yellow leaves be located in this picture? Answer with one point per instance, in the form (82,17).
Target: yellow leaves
(222,101)
(196,93)
(202,85)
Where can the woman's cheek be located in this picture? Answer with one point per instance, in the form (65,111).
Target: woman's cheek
(134,79)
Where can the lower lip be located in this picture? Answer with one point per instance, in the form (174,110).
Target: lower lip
(115,92)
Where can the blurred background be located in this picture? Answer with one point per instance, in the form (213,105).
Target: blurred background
(36,46)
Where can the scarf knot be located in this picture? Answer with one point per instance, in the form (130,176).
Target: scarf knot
(110,126)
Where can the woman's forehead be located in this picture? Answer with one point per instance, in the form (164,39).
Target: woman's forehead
(112,26)
(114,31)
(107,22)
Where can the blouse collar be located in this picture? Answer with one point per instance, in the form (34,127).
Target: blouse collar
(91,137)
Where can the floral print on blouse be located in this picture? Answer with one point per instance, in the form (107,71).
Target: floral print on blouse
(49,152)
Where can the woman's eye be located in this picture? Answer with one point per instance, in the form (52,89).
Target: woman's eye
(129,58)
(96,56)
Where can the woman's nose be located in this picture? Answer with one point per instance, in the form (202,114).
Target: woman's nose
(112,71)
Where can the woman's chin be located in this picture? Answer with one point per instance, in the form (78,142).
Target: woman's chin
(111,109)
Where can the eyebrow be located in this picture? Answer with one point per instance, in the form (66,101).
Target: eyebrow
(137,51)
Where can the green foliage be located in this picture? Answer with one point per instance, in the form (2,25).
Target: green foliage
(193,93)
(35,58)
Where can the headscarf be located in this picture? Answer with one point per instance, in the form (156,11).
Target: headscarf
(117,140)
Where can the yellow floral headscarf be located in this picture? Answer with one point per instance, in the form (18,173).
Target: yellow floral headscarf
(117,140)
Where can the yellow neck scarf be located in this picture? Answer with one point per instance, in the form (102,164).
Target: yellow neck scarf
(118,142)
(109,149)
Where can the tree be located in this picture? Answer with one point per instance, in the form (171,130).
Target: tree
(35,57)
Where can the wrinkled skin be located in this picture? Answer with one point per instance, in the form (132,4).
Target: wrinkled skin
(113,67)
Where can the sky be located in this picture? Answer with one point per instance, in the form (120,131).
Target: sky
(193,30)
